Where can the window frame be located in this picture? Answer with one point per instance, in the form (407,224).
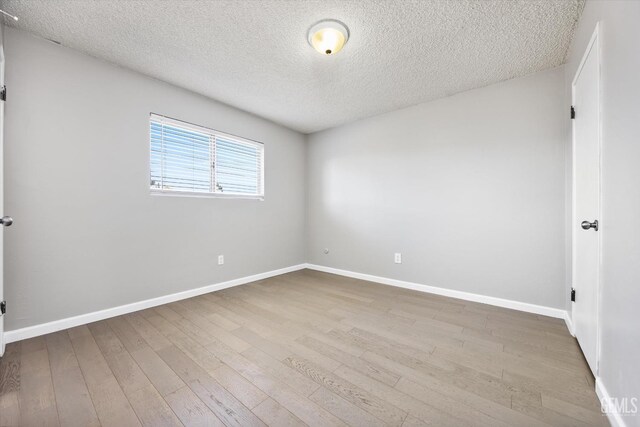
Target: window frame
(215,133)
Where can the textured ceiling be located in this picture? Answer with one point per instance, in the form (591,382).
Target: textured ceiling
(254,54)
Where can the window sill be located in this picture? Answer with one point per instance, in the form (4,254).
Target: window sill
(169,193)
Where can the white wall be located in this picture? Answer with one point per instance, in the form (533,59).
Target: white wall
(87,233)
(470,189)
(620,287)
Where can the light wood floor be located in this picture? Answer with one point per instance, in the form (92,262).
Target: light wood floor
(303,348)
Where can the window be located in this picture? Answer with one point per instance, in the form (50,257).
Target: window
(186,158)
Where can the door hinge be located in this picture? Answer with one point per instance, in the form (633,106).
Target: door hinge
(573,295)
(3,307)
(573,112)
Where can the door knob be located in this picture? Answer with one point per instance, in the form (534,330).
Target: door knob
(587,225)
(6,221)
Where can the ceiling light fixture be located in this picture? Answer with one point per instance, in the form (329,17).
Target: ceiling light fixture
(15,18)
(328,36)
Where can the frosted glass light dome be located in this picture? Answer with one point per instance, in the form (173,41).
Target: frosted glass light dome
(328,36)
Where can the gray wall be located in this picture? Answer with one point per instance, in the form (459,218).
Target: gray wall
(620,286)
(87,234)
(470,189)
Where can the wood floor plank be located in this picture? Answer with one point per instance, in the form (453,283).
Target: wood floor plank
(274,414)
(10,385)
(545,354)
(410,405)
(33,344)
(131,339)
(462,318)
(577,394)
(36,394)
(222,321)
(223,404)
(297,315)
(471,359)
(327,339)
(254,311)
(379,408)
(10,368)
(129,375)
(152,409)
(191,410)
(534,409)
(148,404)
(277,369)
(407,336)
(513,361)
(194,314)
(250,317)
(267,345)
(245,391)
(345,410)
(163,378)
(154,339)
(466,406)
(75,407)
(277,388)
(590,416)
(185,343)
(9,409)
(459,379)
(364,366)
(111,404)
(371,343)
(212,303)
(412,421)
(279,346)
(155,369)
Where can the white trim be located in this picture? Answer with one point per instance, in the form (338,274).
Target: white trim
(614,417)
(569,322)
(70,322)
(468,296)
(83,319)
(585,55)
(203,195)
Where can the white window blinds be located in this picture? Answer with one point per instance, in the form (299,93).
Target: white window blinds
(191,159)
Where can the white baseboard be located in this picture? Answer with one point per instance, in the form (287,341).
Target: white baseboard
(568,320)
(614,418)
(500,302)
(83,319)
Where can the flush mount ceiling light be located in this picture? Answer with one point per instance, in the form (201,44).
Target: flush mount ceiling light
(328,36)
(15,18)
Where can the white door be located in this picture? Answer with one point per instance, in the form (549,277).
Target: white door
(586,201)
(1,190)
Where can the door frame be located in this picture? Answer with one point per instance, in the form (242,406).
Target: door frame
(594,43)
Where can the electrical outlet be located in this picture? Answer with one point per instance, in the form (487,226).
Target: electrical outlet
(397,258)
(220,259)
